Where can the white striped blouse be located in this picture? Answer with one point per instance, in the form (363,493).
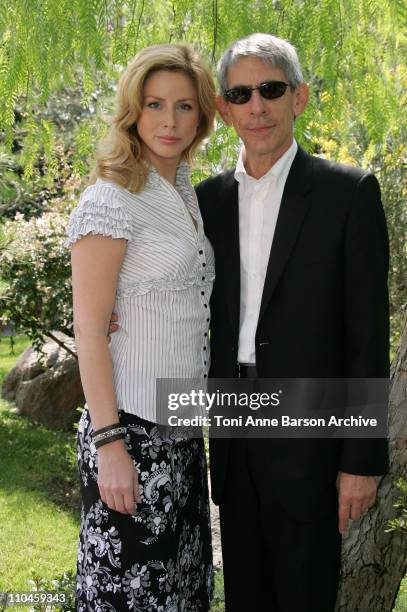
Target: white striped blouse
(164,284)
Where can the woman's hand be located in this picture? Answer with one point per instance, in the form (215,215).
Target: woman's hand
(118,478)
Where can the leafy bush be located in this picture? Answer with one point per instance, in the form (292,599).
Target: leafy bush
(400,521)
(32,194)
(35,290)
(66,584)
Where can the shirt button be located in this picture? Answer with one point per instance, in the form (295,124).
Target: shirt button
(206,305)
(201,252)
(207,320)
(203,278)
(204,348)
(205,334)
(205,376)
(205,362)
(202,292)
(204,264)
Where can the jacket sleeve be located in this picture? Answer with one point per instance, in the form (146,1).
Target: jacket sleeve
(366,314)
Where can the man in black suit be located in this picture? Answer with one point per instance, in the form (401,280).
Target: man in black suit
(301,256)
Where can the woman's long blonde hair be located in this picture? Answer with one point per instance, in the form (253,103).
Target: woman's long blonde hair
(119,156)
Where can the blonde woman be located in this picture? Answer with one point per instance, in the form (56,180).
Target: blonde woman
(139,249)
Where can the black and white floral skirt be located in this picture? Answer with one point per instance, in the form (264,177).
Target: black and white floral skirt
(159,560)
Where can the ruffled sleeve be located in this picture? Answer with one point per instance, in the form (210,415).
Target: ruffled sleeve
(101,210)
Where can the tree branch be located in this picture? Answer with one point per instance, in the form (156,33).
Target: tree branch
(61,344)
(215,27)
(139,23)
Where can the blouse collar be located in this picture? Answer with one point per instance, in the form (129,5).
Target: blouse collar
(182,176)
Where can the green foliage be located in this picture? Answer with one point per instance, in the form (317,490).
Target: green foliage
(400,521)
(401,602)
(218,603)
(63,134)
(64,584)
(354,44)
(389,168)
(351,52)
(33,193)
(35,271)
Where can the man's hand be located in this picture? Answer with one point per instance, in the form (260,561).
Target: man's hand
(113,325)
(356,494)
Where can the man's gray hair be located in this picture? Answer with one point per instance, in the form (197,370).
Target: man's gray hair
(275,51)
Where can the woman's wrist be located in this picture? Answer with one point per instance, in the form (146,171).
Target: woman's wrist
(112,447)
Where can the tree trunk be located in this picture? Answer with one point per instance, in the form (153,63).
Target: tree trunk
(375,562)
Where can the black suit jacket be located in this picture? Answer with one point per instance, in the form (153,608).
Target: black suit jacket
(324,310)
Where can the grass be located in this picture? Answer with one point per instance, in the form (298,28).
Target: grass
(8,357)
(39,501)
(218,603)
(39,510)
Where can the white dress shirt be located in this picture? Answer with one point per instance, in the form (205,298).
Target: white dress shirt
(259,205)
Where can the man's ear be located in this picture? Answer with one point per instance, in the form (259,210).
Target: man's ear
(223,109)
(301,95)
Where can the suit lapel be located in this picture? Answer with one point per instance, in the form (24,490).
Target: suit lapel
(293,209)
(229,205)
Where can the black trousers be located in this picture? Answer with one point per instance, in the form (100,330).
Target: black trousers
(273,562)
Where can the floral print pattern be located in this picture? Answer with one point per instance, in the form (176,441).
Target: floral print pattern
(159,560)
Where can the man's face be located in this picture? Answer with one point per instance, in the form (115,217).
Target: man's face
(265,126)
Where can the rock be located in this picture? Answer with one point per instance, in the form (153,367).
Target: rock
(47,388)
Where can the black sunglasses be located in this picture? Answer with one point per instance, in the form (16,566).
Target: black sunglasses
(270,90)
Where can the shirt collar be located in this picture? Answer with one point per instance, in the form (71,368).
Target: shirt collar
(279,170)
(183,173)
(181,178)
